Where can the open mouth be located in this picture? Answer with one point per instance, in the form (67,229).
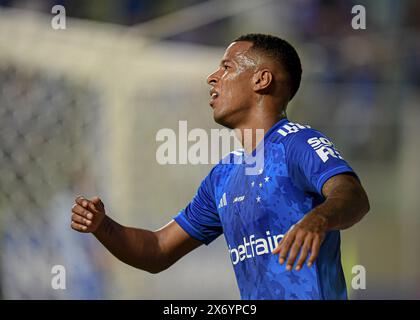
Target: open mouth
(213,94)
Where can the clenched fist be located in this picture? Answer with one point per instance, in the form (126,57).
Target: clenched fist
(87,215)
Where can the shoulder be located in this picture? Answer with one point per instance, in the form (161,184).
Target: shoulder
(293,134)
(301,142)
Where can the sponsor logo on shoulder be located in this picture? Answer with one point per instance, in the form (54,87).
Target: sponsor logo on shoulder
(291,127)
(324,148)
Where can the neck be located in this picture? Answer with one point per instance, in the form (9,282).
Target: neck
(251,133)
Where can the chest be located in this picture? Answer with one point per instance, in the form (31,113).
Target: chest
(264,200)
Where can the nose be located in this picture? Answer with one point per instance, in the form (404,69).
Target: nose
(212,78)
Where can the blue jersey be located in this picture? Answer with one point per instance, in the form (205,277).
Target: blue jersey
(255,211)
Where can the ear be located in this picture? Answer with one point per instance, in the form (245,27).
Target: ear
(262,79)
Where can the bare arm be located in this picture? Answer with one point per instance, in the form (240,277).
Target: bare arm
(346,203)
(152,251)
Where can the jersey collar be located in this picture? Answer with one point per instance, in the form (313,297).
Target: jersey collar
(267,135)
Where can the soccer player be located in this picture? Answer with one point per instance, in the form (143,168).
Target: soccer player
(282,224)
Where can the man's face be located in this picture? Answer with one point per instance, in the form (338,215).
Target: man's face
(231,92)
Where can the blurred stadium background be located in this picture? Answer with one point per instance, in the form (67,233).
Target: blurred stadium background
(80,109)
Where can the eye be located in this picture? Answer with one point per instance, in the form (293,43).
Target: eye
(225,66)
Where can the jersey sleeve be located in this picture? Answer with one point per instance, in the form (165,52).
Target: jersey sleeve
(312,159)
(200,218)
